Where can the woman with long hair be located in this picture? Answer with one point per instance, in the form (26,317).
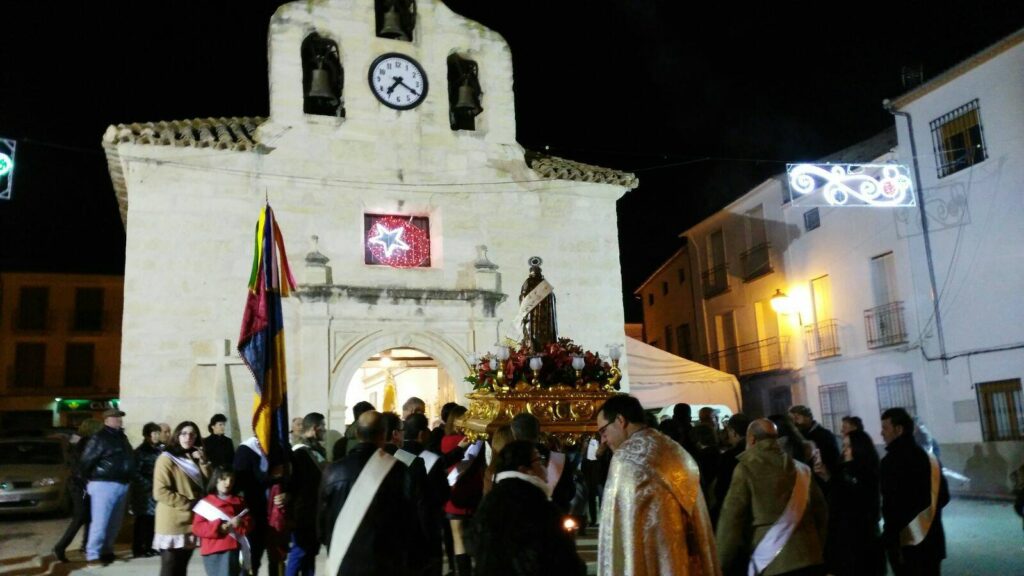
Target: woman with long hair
(179,481)
(518,530)
(854,546)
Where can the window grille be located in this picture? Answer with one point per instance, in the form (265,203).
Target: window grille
(896,391)
(958,139)
(835,404)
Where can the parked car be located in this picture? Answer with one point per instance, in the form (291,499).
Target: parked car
(34,475)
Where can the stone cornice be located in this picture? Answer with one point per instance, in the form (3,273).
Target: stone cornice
(374,295)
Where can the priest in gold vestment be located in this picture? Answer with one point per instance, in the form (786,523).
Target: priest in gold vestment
(654,520)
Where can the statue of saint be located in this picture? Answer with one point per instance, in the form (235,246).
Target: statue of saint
(537,308)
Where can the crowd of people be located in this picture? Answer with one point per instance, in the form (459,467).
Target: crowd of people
(777,495)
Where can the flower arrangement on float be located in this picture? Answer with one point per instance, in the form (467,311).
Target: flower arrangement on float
(561,384)
(559,365)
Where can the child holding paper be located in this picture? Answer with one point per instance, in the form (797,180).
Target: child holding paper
(221,522)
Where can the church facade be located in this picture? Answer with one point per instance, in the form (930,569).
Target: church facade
(408,210)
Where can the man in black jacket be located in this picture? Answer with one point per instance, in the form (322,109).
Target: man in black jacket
(910,483)
(108,464)
(308,460)
(736,435)
(526,426)
(436,491)
(373,551)
(823,438)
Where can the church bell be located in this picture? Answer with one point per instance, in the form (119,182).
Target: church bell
(468,101)
(320,83)
(392,27)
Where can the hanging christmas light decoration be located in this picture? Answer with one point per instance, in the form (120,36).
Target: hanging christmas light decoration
(885,185)
(394,241)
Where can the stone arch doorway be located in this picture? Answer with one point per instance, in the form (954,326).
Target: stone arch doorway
(352,357)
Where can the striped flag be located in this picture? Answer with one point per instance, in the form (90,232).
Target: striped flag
(261,343)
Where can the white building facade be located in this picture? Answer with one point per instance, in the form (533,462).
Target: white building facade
(861,333)
(190,193)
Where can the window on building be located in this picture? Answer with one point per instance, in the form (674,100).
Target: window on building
(88,309)
(755,260)
(715,277)
(664,288)
(896,391)
(834,405)
(650,298)
(958,140)
(29,364)
(668,339)
(1002,410)
(683,340)
(79,361)
(401,241)
(682,275)
(33,304)
(812,219)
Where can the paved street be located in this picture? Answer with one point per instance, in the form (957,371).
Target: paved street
(984,538)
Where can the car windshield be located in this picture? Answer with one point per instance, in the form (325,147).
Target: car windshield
(30,452)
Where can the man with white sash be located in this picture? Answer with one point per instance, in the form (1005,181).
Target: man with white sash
(434,492)
(364,506)
(914,492)
(773,519)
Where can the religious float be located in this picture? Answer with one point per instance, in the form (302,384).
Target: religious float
(552,378)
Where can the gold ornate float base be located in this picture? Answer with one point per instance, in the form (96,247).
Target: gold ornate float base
(568,414)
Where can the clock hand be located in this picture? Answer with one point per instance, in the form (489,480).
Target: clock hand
(398,80)
(406,86)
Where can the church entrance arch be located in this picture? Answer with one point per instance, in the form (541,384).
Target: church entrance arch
(352,357)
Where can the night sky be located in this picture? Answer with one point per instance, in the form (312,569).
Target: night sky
(702,102)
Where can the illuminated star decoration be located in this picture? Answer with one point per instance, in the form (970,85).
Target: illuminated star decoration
(390,239)
(5,164)
(394,241)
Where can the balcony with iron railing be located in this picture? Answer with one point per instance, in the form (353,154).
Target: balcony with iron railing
(884,325)
(822,339)
(766,355)
(756,262)
(715,280)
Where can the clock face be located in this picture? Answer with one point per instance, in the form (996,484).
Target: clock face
(398,81)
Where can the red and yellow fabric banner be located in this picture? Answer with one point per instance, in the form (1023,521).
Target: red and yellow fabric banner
(261,343)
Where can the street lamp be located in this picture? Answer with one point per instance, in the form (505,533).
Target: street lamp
(781,303)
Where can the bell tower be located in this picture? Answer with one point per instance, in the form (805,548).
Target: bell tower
(322,74)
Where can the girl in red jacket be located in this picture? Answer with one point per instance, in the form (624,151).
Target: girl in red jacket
(221,522)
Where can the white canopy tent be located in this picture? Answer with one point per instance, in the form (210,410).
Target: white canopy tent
(658,379)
